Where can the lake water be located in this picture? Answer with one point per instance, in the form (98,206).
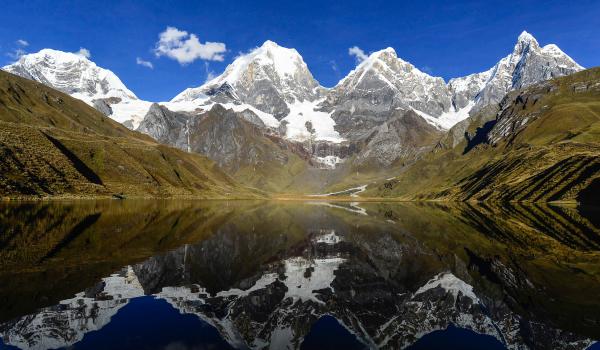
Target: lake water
(298,275)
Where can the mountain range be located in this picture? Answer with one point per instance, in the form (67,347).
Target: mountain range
(269,124)
(276,82)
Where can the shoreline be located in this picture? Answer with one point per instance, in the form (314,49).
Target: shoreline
(275,198)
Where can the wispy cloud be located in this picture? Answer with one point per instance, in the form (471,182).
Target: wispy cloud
(185,47)
(427,70)
(358,53)
(83,52)
(334,66)
(16,53)
(146,64)
(210,75)
(19,51)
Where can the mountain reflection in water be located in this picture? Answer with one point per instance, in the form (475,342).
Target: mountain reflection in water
(305,275)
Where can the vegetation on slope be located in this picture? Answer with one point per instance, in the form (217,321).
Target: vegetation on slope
(54,145)
(543,145)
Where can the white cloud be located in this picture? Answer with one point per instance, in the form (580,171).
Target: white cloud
(146,64)
(84,52)
(358,53)
(186,48)
(22,43)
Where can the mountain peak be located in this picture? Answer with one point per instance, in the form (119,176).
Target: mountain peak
(270,44)
(525,41)
(284,60)
(525,37)
(53,57)
(72,73)
(388,52)
(269,77)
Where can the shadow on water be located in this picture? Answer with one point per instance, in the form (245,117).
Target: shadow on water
(179,274)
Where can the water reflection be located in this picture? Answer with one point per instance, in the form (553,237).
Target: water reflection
(289,275)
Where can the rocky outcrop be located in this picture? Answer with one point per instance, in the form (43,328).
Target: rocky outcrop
(404,137)
(166,126)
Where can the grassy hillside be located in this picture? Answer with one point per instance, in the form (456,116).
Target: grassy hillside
(543,145)
(54,145)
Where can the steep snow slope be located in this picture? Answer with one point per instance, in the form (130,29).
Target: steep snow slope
(81,78)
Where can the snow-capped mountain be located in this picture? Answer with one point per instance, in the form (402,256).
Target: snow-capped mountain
(269,78)
(386,81)
(71,73)
(275,83)
(382,83)
(529,63)
(81,78)
(372,108)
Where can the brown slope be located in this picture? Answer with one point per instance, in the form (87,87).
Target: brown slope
(54,145)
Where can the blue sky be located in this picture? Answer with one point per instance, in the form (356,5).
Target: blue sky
(444,38)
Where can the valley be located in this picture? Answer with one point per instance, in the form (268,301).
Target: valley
(524,130)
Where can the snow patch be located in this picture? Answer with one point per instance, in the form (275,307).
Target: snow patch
(134,110)
(330,238)
(304,276)
(447,119)
(322,123)
(330,162)
(451,284)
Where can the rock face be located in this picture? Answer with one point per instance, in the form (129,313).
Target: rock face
(526,65)
(166,126)
(379,85)
(270,78)
(231,140)
(405,136)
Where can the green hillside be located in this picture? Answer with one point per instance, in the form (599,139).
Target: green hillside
(543,145)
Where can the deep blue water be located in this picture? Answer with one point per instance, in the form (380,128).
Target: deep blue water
(456,338)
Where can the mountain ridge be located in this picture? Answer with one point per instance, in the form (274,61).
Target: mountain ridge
(271,125)
(278,64)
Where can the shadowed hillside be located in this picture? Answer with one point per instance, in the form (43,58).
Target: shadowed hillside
(54,145)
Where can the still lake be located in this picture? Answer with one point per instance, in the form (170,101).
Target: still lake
(298,275)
